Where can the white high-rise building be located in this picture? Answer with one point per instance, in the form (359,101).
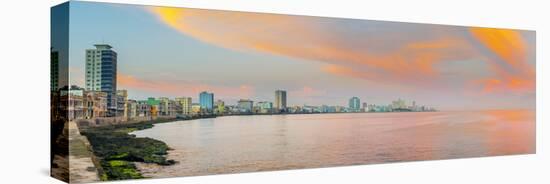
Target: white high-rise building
(101,73)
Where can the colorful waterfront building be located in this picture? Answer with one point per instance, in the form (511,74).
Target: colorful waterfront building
(220,107)
(245,105)
(122,103)
(185,105)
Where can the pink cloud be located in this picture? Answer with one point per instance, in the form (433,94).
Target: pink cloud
(183,88)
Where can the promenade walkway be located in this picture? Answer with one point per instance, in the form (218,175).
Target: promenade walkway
(81,166)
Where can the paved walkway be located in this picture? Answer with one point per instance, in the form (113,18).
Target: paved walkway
(81,166)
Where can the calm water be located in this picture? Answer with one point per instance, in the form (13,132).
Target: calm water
(258,143)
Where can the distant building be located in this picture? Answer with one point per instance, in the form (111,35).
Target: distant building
(167,107)
(265,107)
(354,104)
(280,100)
(75,104)
(371,108)
(143,109)
(220,107)
(131,109)
(185,104)
(310,109)
(154,106)
(101,74)
(122,103)
(399,105)
(365,107)
(245,105)
(339,109)
(195,108)
(206,101)
(294,109)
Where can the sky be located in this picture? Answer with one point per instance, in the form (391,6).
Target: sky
(174,52)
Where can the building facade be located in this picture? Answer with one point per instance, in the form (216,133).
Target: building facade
(143,109)
(131,109)
(220,107)
(265,107)
(167,107)
(185,105)
(95,104)
(195,108)
(122,103)
(245,105)
(154,106)
(75,102)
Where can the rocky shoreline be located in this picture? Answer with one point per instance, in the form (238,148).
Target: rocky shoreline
(117,150)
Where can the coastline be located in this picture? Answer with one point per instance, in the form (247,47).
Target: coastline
(121,155)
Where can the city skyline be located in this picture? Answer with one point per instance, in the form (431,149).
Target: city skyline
(450,68)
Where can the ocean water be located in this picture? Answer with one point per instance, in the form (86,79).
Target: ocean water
(234,144)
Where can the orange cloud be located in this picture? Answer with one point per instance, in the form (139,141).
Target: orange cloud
(404,59)
(507,44)
(182,88)
(513,72)
(304,39)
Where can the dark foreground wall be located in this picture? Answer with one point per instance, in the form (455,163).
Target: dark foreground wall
(59,142)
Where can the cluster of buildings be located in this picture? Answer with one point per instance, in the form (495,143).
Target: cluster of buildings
(100,98)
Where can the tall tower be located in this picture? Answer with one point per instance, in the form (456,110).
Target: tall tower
(101,73)
(206,100)
(354,103)
(280,100)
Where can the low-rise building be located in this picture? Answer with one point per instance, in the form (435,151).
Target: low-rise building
(220,107)
(195,108)
(143,109)
(95,104)
(245,105)
(184,105)
(167,107)
(265,107)
(131,109)
(122,103)
(75,103)
(154,106)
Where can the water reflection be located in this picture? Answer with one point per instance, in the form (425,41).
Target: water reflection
(257,143)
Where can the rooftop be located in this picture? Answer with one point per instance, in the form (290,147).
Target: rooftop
(103,46)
